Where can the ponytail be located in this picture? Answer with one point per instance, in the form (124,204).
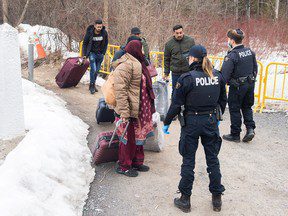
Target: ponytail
(207,67)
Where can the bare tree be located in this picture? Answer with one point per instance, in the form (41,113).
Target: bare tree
(276,9)
(23,13)
(5,10)
(236,9)
(106,13)
(248,9)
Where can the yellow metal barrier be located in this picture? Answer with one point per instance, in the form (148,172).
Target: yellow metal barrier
(279,93)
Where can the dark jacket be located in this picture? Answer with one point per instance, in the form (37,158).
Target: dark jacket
(239,62)
(197,92)
(88,40)
(121,52)
(118,54)
(176,55)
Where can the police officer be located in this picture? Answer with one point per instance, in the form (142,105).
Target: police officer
(240,70)
(197,96)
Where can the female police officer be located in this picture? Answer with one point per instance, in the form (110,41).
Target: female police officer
(199,93)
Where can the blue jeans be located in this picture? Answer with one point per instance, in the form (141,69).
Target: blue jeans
(95,65)
(174,81)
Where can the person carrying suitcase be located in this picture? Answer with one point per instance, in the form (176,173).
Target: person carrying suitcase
(134,103)
(95,45)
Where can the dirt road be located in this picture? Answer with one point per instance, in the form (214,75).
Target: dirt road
(254,174)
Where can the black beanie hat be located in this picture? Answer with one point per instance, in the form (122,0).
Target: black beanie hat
(198,51)
(135,30)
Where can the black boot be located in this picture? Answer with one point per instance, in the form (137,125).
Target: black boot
(249,135)
(232,137)
(216,202)
(183,203)
(92,88)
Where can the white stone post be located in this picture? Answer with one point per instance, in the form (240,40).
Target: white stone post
(11,93)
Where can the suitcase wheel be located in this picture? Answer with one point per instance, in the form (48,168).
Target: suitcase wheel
(97,122)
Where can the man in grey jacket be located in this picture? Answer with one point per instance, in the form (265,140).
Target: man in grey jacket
(176,55)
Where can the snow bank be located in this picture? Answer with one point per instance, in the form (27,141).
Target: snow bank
(49,172)
(52,39)
(11,105)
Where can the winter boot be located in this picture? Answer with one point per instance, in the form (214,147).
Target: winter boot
(216,202)
(232,138)
(183,203)
(249,135)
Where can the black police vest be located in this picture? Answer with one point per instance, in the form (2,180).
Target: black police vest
(244,63)
(205,92)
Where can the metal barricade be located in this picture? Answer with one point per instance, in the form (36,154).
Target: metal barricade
(275,83)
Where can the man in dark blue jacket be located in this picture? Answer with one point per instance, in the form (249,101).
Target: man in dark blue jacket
(240,70)
(95,46)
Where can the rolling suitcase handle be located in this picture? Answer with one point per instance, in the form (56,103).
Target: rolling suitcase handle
(118,123)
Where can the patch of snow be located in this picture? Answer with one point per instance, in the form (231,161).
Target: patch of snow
(86,79)
(52,39)
(49,172)
(67,55)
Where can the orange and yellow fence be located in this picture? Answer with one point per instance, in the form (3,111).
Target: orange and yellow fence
(267,79)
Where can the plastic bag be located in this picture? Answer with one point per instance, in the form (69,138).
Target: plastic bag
(160,89)
(156,142)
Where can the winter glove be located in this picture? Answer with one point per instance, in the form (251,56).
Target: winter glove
(165,129)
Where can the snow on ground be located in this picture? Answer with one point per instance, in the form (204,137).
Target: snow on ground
(49,172)
(52,39)
(86,79)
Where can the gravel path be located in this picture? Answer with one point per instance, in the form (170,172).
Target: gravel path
(254,174)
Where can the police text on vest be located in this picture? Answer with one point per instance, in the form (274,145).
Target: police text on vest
(206,81)
(245,53)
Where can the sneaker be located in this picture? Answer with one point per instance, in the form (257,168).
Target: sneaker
(129,173)
(141,168)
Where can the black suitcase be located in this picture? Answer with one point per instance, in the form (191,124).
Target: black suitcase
(103,113)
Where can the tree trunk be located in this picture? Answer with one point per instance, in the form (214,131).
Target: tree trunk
(23,13)
(258,8)
(106,13)
(276,9)
(248,9)
(5,10)
(236,9)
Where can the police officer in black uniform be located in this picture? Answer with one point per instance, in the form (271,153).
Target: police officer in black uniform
(197,96)
(240,70)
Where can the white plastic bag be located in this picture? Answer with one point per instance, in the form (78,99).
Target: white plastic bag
(160,89)
(156,142)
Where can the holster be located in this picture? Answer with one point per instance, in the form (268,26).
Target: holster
(181,117)
(234,82)
(251,79)
(219,115)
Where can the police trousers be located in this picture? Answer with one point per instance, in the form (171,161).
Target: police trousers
(241,99)
(205,127)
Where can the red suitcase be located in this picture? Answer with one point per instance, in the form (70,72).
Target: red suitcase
(71,72)
(107,144)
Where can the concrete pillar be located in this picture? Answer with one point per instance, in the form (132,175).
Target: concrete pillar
(11,93)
